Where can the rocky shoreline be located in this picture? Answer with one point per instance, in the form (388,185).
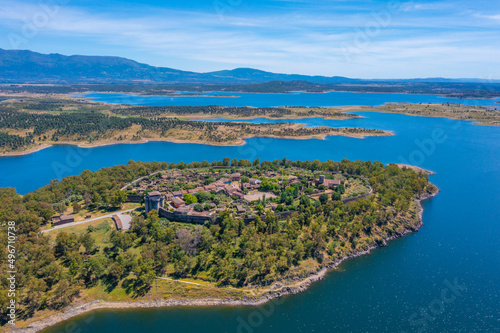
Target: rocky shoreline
(301,286)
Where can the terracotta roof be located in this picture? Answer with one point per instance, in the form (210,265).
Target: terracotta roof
(154,193)
(177,200)
(183,209)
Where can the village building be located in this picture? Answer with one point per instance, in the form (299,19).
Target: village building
(178,202)
(210,188)
(241,199)
(238,194)
(328,183)
(223,181)
(184,210)
(63,219)
(240,209)
(229,189)
(188,215)
(177,194)
(254,181)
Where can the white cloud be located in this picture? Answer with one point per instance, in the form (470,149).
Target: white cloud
(407,45)
(492,17)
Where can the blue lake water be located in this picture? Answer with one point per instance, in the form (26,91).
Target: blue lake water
(399,288)
(268,100)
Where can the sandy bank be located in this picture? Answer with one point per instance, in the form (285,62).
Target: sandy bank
(239,142)
(27,151)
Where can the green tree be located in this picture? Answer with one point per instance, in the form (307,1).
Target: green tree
(202,196)
(304,200)
(145,277)
(76,207)
(65,243)
(96,199)
(87,198)
(336,196)
(60,207)
(93,269)
(119,198)
(87,241)
(121,240)
(323,198)
(190,198)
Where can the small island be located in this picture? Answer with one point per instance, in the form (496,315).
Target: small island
(230,232)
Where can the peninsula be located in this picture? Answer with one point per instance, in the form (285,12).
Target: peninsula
(228,232)
(30,123)
(479,114)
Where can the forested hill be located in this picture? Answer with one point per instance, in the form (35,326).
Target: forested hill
(57,269)
(23,66)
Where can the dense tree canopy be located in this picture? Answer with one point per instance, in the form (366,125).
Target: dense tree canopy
(229,252)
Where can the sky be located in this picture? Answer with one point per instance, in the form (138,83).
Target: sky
(358,39)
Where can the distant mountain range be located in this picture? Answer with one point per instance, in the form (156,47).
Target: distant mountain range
(22,66)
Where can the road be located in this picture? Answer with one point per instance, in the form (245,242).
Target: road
(168,279)
(88,220)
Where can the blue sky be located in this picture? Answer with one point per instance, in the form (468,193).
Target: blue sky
(364,39)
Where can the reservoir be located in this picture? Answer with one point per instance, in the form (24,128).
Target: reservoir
(398,288)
